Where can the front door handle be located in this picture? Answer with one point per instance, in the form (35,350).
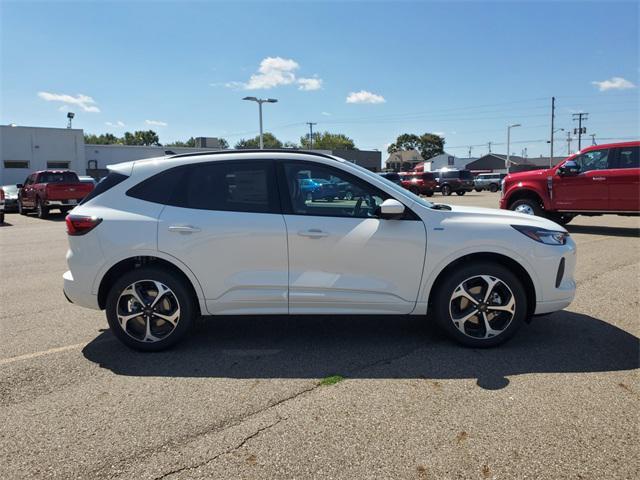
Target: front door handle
(183,229)
(599,179)
(313,233)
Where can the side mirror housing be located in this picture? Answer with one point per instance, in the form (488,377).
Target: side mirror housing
(19,185)
(569,169)
(390,209)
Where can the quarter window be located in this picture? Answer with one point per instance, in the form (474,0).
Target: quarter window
(629,157)
(319,190)
(593,160)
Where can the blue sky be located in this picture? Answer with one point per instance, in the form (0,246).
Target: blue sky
(465,70)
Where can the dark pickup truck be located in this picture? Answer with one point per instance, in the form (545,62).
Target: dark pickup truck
(49,189)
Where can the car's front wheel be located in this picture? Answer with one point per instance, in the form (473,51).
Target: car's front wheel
(493,188)
(528,206)
(446,190)
(150,309)
(461,192)
(480,305)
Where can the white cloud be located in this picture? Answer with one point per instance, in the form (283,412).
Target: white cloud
(156,123)
(614,83)
(309,83)
(85,102)
(364,97)
(274,72)
(326,114)
(118,124)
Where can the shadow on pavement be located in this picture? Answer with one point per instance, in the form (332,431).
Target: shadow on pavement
(373,347)
(608,231)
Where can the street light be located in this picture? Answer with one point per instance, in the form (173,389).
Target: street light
(260,101)
(70,116)
(508,160)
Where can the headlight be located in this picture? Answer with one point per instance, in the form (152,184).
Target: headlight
(542,235)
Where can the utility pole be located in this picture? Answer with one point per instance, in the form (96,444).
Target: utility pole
(593,139)
(490,147)
(568,143)
(553,116)
(580,130)
(311,124)
(470,148)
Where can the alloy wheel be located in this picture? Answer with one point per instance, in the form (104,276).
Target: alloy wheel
(524,208)
(148,311)
(482,306)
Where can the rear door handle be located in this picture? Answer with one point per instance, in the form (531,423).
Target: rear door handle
(183,229)
(599,179)
(313,233)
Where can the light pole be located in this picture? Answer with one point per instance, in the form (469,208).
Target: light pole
(260,101)
(551,142)
(70,116)
(508,160)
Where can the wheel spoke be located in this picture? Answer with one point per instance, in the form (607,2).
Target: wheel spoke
(162,290)
(133,291)
(461,291)
(491,283)
(124,319)
(489,332)
(460,322)
(172,319)
(148,336)
(509,307)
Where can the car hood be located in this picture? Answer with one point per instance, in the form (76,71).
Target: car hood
(498,216)
(519,176)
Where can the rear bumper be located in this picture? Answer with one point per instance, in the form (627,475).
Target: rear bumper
(77,293)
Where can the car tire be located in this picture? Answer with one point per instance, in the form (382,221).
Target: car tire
(493,188)
(528,206)
(148,332)
(21,209)
(478,190)
(415,191)
(429,193)
(1,217)
(446,190)
(507,292)
(561,219)
(41,210)
(460,192)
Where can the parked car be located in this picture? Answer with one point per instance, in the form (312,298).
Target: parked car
(160,242)
(458,181)
(420,183)
(1,205)
(318,189)
(488,181)
(49,189)
(392,177)
(87,179)
(600,179)
(10,198)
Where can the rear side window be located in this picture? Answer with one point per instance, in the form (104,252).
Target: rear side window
(629,157)
(160,187)
(105,184)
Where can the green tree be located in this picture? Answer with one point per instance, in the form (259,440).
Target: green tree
(269,140)
(102,139)
(223,143)
(141,137)
(179,143)
(428,144)
(328,141)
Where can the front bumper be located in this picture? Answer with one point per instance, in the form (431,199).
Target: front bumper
(78,293)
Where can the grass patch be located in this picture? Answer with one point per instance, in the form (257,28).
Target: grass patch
(331,380)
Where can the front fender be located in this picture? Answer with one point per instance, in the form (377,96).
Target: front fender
(533,188)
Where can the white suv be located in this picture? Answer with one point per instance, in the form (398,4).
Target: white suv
(162,241)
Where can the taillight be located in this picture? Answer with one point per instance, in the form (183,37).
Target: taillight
(81,224)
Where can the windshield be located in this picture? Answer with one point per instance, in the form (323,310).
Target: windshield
(9,189)
(391,185)
(58,177)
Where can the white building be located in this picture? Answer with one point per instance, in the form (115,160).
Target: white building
(446,160)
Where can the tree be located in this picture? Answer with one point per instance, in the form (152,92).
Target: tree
(269,140)
(328,141)
(223,143)
(102,139)
(141,137)
(178,143)
(429,145)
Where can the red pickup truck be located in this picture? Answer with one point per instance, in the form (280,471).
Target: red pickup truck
(601,179)
(49,189)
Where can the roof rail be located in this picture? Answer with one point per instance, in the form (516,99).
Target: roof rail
(252,150)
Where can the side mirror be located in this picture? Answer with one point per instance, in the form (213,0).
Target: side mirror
(390,209)
(569,169)
(19,185)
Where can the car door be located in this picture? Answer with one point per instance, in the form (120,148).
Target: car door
(342,257)
(224,223)
(624,180)
(589,189)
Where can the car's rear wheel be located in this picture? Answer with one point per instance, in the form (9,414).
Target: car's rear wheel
(446,190)
(493,188)
(150,309)
(429,193)
(528,206)
(478,190)
(480,305)
(1,217)
(461,192)
(21,209)
(41,210)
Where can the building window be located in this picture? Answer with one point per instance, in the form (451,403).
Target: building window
(450,160)
(58,165)
(16,164)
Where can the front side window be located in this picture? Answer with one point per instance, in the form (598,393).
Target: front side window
(593,160)
(629,157)
(319,190)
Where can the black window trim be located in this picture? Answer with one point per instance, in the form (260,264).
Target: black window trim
(285,199)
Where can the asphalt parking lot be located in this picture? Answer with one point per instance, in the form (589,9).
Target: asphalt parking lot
(249,397)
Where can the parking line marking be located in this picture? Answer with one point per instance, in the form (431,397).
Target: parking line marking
(6,361)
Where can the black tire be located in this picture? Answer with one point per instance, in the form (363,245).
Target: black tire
(560,218)
(1,217)
(446,190)
(185,299)
(429,193)
(415,190)
(493,188)
(478,190)
(444,291)
(460,192)
(533,204)
(41,210)
(21,209)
